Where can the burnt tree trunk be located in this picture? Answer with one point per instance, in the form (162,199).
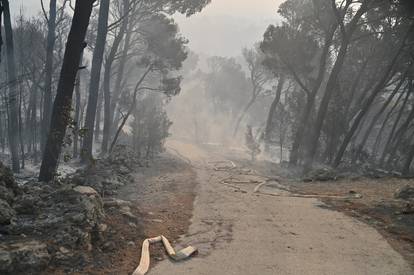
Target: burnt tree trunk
(77,112)
(97,60)
(1,36)
(98,117)
(108,101)
(63,101)
(127,30)
(47,105)
(13,120)
(272,110)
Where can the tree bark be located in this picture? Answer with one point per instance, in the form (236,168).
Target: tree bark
(63,101)
(97,60)
(98,116)
(13,121)
(77,111)
(1,36)
(272,110)
(47,104)
(108,101)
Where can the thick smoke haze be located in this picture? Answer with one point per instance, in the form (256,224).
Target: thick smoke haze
(223,28)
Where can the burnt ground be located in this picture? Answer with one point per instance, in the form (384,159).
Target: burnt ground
(160,201)
(376,205)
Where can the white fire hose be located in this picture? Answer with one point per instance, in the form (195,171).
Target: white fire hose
(144,263)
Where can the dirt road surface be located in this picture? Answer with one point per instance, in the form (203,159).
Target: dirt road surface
(241,232)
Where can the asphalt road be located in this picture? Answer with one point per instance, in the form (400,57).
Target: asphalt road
(245,233)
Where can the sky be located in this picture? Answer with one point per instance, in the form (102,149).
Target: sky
(223,28)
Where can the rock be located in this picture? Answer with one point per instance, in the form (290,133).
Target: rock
(64,250)
(5,261)
(6,212)
(85,190)
(66,256)
(132,224)
(405,193)
(113,202)
(109,246)
(24,257)
(123,170)
(7,179)
(126,211)
(102,227)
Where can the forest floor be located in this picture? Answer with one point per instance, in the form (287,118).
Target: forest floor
(205,196)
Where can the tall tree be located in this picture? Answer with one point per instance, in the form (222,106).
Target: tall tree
(13,107)
(1,36)
(63,101)
(97,60)
(110,102)
(50,46)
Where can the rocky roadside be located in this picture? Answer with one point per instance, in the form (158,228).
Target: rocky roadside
(60,224)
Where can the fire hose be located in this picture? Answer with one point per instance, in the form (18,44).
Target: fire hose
(144,263)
